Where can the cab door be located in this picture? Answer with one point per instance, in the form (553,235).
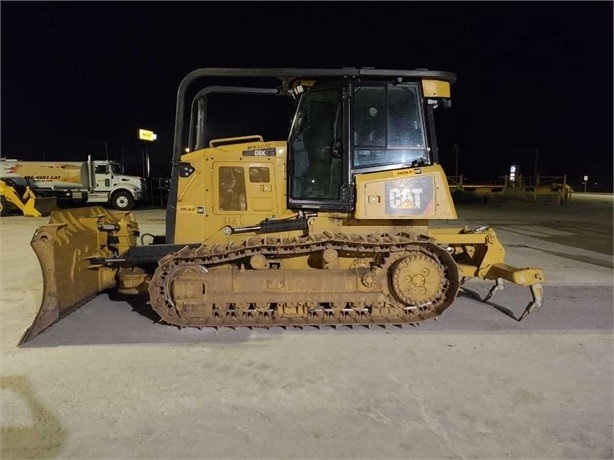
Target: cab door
(318,162)
(102,177)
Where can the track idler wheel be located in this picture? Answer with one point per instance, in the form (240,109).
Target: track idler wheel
(183,288)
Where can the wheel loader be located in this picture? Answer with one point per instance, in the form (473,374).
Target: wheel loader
(18,198)
(330,226)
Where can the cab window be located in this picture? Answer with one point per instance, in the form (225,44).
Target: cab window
(259,174)
(232,189)
(316,165)
(388,126)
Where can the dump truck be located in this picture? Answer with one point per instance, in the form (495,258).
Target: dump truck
(16,197)
(90,181)
(330,226)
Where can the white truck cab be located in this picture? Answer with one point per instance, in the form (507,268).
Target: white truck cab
(110,185)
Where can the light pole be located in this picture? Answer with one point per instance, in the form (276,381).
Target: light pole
(532,149)
(456,169)
(150,136)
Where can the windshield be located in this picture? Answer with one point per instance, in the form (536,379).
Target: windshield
(115,168)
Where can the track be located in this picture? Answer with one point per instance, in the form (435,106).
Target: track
(315,280)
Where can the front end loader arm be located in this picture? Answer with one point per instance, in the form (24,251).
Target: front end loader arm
(38,206)
(479,253)
(70,250)
(29,204)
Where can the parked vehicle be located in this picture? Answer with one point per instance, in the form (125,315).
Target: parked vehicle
(91,181)
(19,198)
(330,226)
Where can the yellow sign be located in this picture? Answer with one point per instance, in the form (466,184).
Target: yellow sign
(403,172)
(187,208)
(147,135)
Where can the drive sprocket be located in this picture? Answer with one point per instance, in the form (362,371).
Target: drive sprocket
(417,279)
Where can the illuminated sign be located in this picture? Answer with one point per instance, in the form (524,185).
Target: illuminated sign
(513,171)
(147,135)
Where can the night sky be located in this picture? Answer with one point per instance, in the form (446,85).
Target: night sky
(531,75)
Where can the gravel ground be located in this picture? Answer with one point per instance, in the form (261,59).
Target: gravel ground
(109,382)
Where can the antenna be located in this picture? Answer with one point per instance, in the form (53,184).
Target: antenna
(109,167)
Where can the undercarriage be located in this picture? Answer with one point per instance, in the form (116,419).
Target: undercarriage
(347,279)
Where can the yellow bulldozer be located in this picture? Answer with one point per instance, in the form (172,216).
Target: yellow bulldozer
(18,198)
(328,227)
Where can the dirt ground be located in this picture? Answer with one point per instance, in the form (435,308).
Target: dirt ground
(109,382)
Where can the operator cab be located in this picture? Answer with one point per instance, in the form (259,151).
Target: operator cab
(340,130)
(348,124)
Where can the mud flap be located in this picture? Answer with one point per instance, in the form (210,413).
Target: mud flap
(69,250)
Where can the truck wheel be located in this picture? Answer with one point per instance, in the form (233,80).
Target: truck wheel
(122,201)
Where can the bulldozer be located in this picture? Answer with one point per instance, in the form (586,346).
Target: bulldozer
(18,198)
(330,226)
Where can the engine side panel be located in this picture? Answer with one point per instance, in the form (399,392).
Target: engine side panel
(414,193)
(231,185)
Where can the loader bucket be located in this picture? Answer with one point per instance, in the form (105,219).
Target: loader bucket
(70,250)
(40,207)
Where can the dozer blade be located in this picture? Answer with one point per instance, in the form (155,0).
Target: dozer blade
(69,249)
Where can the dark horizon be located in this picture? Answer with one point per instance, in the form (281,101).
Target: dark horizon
(531,75)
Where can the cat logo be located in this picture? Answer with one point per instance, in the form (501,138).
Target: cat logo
(406,198)
(410,196)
